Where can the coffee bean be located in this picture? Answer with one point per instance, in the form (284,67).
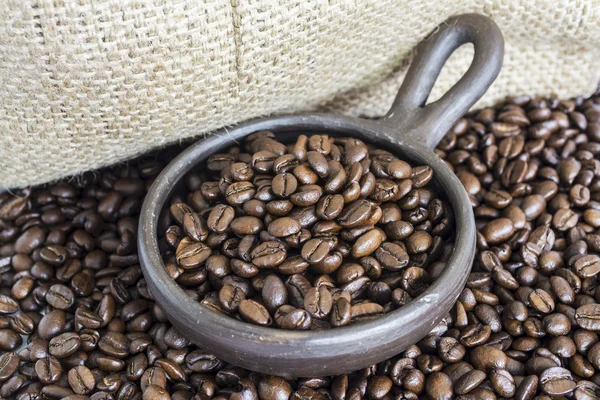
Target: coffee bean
(255,313)
(60,296)
(48,370)
(365,310)
(191,254)
(239,192)
(282,227)
(368,243)
(284,185)
(341,312)
(268,254)
(9,363)
(439,386)
(64,344)
(220,218)
(8,305)
(274,388)
(587,266)
(541,301)
(155,392)
(588,316)
(498,230)
(315,250)
(274,293)
(318,302)
(391,256)
(288,317)
(557,381)
(81,379)
(419,242)
(486,358)
(195,227)
(246,225)
(293,265)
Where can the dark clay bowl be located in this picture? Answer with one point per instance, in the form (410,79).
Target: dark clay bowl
(411,130)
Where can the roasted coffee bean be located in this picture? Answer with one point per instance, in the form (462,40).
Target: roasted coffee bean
(274,388)
(230,297)
(48,370)
(60,296)
(439,386)
(268,254)
(288,317)
(469,381)
(8,305)
(220,218)
(191,254)
(274,293)
(367,243)
(195,227)
(557,381)
(282,227)
(81,380)
(391,256)
(255,313)
(318,302)
(498,230)
(9,363)
(588,316)
(64,344)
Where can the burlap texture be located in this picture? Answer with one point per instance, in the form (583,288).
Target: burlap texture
(87,83)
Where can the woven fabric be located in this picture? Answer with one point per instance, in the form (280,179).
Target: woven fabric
(87,83)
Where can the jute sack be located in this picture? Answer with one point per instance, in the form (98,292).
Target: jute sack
(87,83)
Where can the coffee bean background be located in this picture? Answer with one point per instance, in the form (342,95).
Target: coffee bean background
(318,233)
(77,321)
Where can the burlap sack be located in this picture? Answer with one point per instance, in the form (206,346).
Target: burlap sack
(86,83)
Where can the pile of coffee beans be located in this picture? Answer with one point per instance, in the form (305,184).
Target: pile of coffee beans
(318,233)
(77,321)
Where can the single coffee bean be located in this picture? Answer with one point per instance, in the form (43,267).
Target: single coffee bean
(588,316)
(8,305)
(9,363)
(239,192)
(315,250)
(283,227)
(60,296)
(318,302)
(365,310)
(64,344)
(246,225)
(541,301)
(274,293)
(557,381)
(48,370)
(587,266)
(391,256)
(191,254)
(498,230)
(469,381)
(268,254)
(368,243)
(81,379)
(220,218)
(230,297)
(341,312)
(255,313)
(290,318)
